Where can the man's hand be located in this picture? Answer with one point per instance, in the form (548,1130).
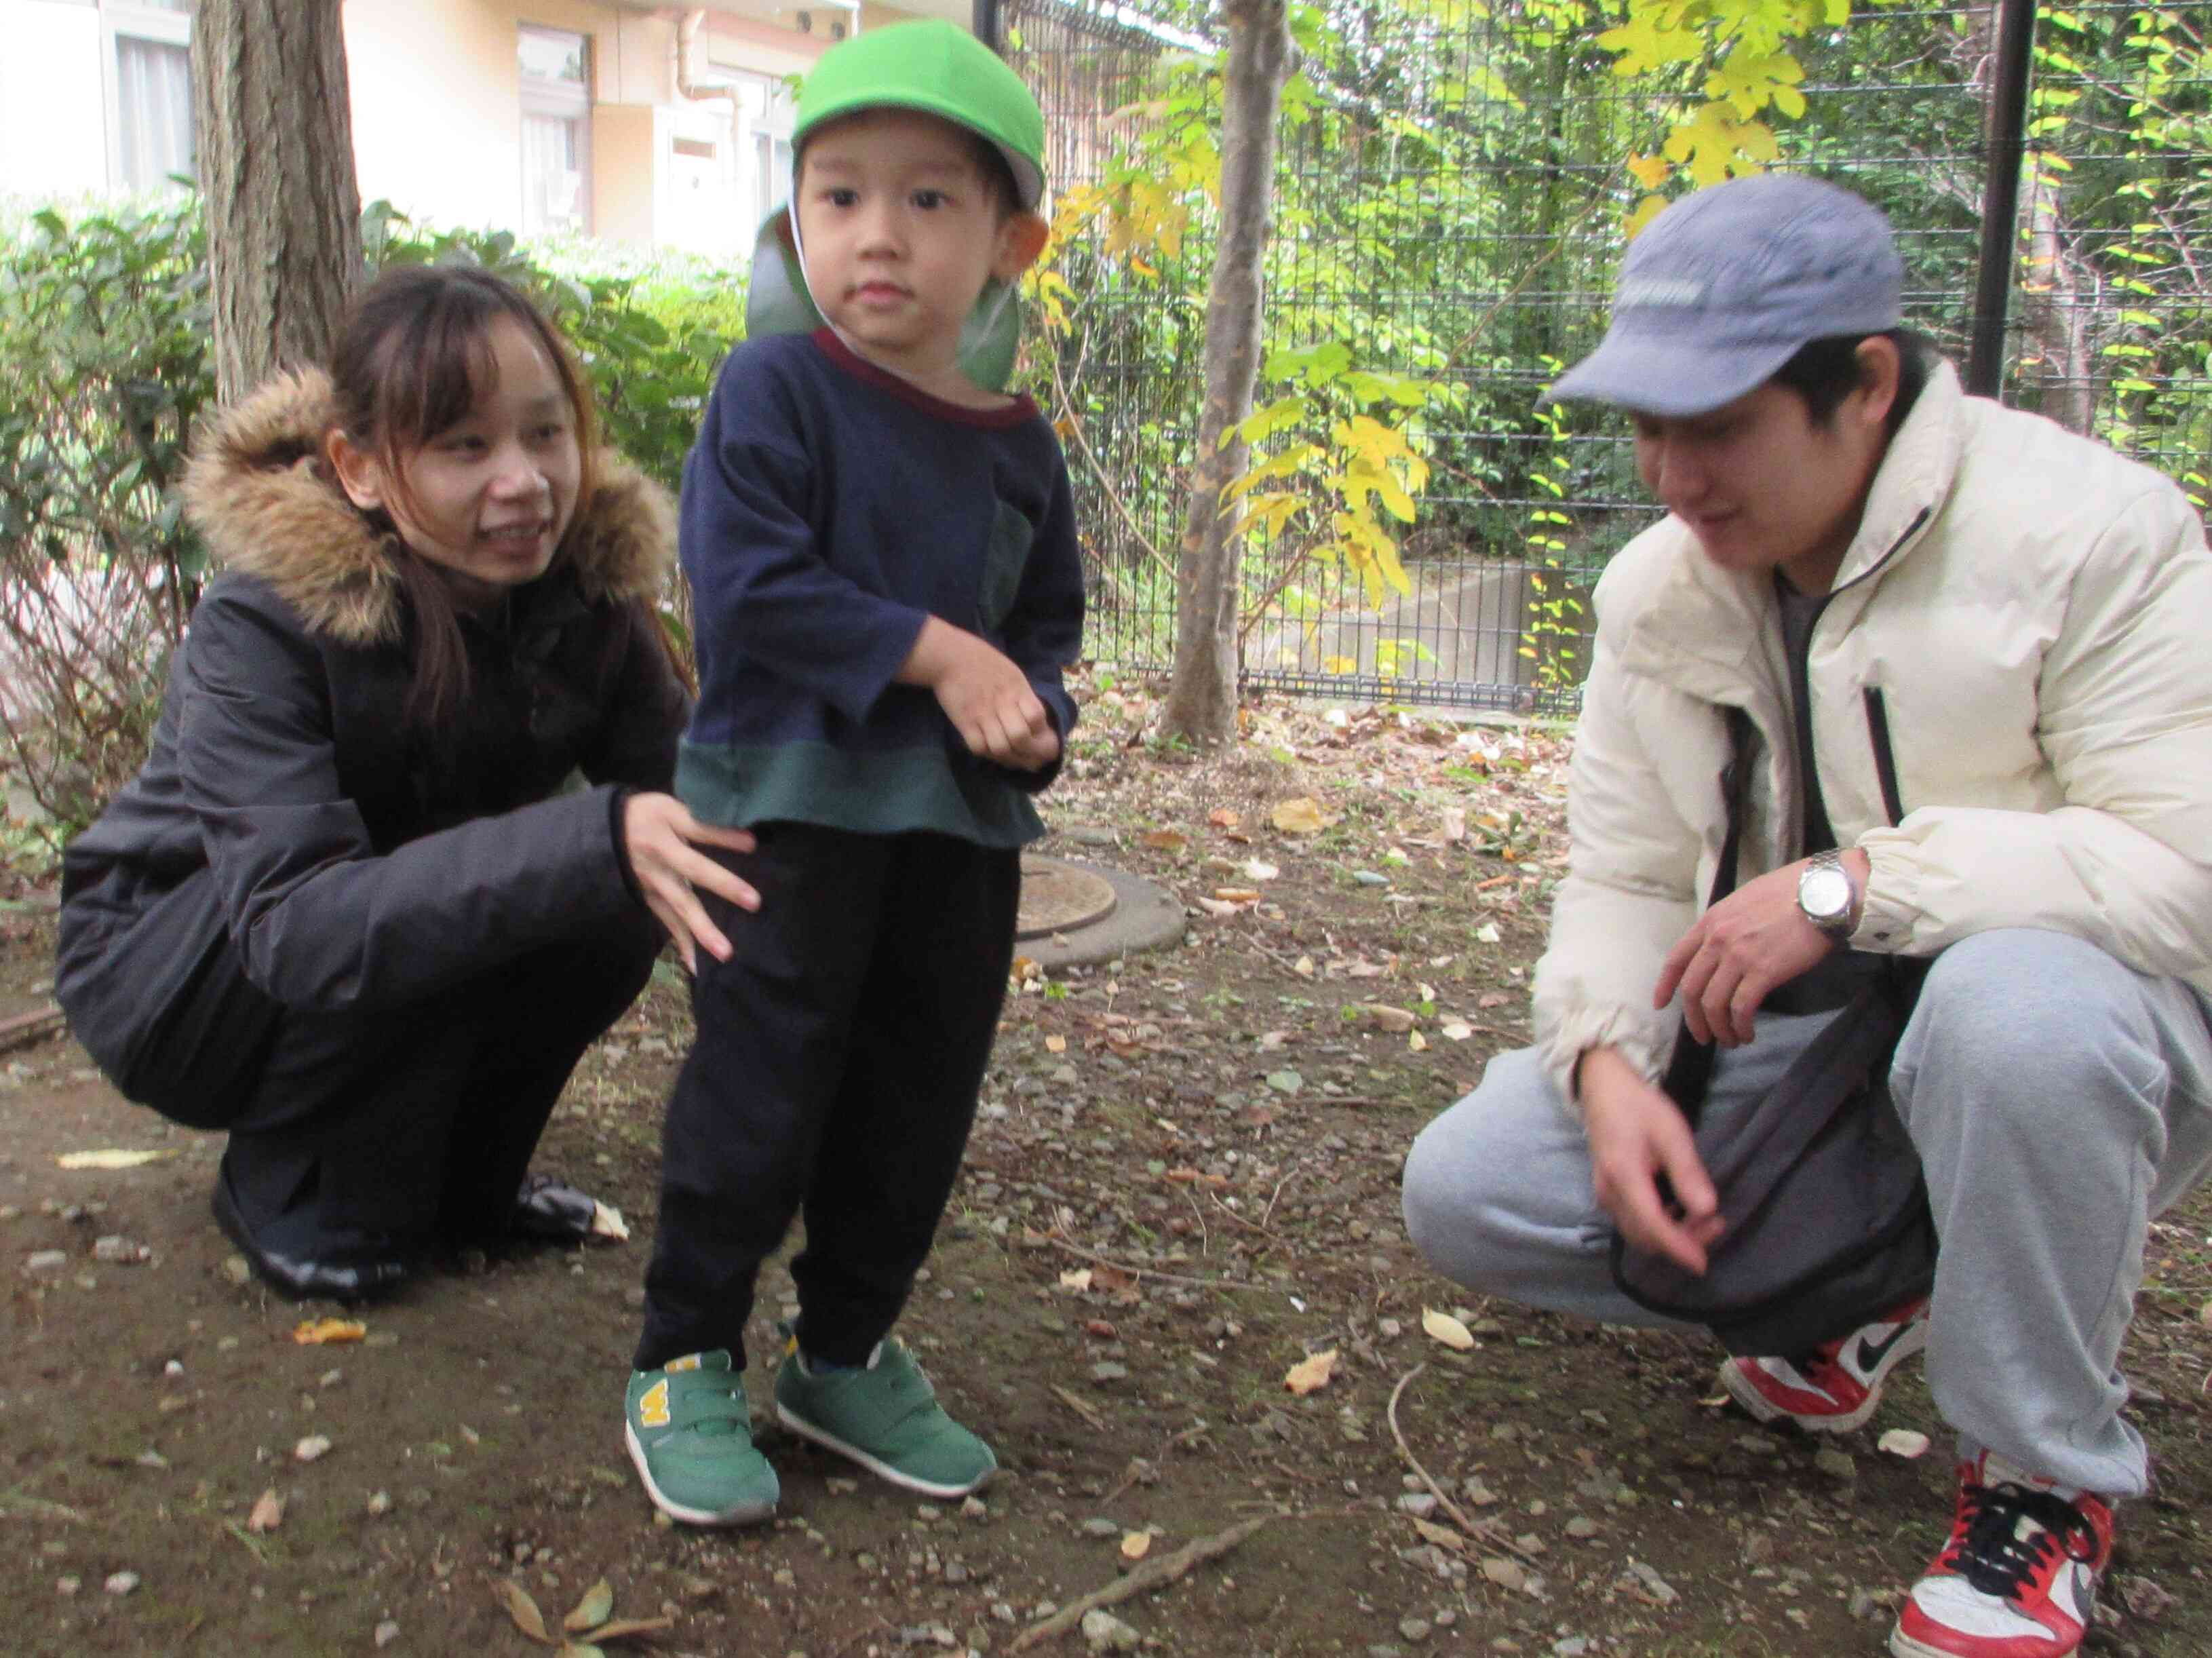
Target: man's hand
(1741,948)
(986,697)
(660,837)
(1636,1133)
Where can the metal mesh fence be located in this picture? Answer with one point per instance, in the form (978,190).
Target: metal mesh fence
(1449,203)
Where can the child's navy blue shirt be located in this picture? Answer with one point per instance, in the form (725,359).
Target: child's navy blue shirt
(829,508)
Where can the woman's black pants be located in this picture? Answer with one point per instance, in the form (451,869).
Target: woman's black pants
(381,1134)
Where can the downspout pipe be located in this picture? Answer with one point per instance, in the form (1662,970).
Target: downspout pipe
(2008,149)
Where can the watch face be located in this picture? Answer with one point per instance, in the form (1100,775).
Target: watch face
(1825,894)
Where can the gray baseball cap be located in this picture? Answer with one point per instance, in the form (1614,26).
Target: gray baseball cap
(1727,284)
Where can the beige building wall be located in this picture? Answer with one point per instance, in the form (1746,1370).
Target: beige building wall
(53,125)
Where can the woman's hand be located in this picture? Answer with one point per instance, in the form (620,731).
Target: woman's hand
(660,836)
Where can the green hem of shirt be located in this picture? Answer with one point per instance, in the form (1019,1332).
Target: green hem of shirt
(890,792)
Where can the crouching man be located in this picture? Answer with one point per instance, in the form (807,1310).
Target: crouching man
(1971,645)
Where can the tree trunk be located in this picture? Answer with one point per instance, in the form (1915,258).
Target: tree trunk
(275,134)
(2055,312)
(1202,701)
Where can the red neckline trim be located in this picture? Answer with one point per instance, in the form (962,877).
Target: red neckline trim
(1021,410)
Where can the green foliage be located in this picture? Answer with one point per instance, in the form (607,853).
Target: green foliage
(104,348)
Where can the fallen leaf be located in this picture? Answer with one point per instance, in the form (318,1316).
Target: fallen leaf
(1443,1327)
(1136,1544)
(1902,1441)
(1309,1374)
(607,1222)
(627,1628)
(1417,1042)
(1300,816)
(313,1449)
(593,1609)
(1456,1031)
(1487,933)
(2204,1315)
(521,1608)
(1237,895)
(110,1159)
(1221,817)
(1505,1573)
(1259,869)
(1442,1536)
(1079,1281)
(1164,840)
(1455,824)
(1055,1044)
(321,1332)
(1024,968)
(1113,1281)
(1492,998)
(267,1512)
(1217,909)
(1304,967)
(1396,1020)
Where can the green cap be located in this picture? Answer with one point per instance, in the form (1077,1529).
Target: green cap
(938,68)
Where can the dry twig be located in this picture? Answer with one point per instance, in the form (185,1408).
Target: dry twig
(1153,1574)
(1488,1530)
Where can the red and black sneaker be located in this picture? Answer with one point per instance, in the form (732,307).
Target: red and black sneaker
(2018,1578)
(1835,1388)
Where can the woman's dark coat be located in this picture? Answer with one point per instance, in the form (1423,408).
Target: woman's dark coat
(287,806)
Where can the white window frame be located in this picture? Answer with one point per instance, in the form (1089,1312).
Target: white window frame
(561,101)
(120,20)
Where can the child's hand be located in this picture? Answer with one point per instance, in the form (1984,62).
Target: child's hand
(987,699)
(659,838)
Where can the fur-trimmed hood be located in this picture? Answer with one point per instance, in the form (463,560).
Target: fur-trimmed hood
(256,488)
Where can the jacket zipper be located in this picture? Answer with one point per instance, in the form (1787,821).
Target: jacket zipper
(1885,758)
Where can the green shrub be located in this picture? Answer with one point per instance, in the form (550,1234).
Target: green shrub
(105,351)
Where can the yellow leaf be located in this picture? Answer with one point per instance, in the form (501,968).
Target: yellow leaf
(1646,210)
(110,1159)
(607,1222)
(1417,1042)
(1301,814)
(593,1610)
(1649,170)
(1136,1544)
(1442,1326)
(1339,664)
(321,1332)
(1078,1280)
(521,1608)
(1055,1044)
(1307,1375)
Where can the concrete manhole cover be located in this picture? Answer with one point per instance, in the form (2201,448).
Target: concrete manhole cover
(1058,897)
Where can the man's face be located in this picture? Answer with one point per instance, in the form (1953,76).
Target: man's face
(1763,487)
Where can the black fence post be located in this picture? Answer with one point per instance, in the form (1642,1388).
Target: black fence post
(1985,356)
(987,27)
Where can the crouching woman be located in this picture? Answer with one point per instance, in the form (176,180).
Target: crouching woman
(353,911)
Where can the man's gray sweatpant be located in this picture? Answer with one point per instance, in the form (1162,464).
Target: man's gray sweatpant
(2059,1101)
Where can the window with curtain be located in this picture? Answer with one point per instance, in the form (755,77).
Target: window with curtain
(153,110)
(556,130)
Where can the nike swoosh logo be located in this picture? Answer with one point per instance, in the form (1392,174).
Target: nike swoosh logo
(1872,1354)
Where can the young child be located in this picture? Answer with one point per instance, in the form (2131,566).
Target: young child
(882,552)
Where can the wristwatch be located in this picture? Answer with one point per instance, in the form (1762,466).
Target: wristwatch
(1825,895)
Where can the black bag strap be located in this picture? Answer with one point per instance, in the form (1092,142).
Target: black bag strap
(1690,1072)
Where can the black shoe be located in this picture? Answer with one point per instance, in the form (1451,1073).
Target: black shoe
(544,1208)
(360,1279)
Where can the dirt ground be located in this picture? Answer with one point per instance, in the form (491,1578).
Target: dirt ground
(1212,1133)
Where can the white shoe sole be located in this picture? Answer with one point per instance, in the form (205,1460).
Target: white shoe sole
(750,1513)
(1764,1409)
(882,1470)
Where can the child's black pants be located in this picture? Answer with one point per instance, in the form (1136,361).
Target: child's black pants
(835,1072)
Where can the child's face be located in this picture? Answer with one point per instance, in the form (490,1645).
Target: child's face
(488,499)
(901,232)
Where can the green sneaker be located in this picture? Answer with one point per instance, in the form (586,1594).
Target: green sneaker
(690,1434)
(885,1417)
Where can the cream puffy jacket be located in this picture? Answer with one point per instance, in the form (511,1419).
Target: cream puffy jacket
(2011,710)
